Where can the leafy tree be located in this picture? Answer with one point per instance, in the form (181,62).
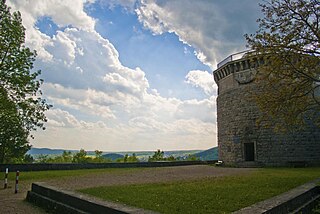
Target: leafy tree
(192,158)
(125,158)
(98,157)
(157,156)
(28,159)
(80,157)
(288,40)
(13,137)
(66,157)
(21,109)
(42,158)
(132,158)
(170,158)
(98,153)
(128,159)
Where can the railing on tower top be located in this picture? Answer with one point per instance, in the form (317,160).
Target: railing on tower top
(233,57)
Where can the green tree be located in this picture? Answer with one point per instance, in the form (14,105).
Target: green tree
(125,158)
(170,158)
(98,157)
(192,158)
(288,39)
(13,137)
(42,158)
(22,109)
(28,159)
(80,157)
(128,159)
(132,158)
(66,157)
(157,156)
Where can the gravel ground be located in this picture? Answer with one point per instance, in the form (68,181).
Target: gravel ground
(14,203)
(11,203)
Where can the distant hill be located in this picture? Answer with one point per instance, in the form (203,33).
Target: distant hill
(112,156)
(210,154)
(46,151)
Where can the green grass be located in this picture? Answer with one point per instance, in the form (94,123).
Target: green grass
(212,195)
(56,174)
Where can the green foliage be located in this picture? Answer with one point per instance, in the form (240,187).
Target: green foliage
(21,108)
(159,156)
(98,157)
(42,159)
(192,158)
(211,195)
(68,157)
(288,40)
(28,159)
(80,157)
(316,210)
(128,159)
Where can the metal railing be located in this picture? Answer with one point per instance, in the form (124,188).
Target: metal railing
(233,57)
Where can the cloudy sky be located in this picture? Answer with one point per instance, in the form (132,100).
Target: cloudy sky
(132,75)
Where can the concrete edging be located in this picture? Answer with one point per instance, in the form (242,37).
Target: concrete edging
(61,201)
(298,200)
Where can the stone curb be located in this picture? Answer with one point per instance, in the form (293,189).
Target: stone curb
(61,201)
(298,200)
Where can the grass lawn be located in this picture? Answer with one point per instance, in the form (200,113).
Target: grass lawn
(211,195)
(56,174)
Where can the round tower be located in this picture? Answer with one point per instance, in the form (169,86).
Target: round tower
(241,140)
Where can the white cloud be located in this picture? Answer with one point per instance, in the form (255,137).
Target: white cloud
(65,48)
(100,103)
(215,29)
(127,4)
(63,13)
(203,110)
(203,80)
(60,118)
(87,101)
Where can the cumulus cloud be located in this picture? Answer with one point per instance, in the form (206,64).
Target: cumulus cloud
(202,110)
(100,103)
(213,28)
(127,4)
(203,80)
(73,15)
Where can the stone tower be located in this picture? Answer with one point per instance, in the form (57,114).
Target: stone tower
(241,141)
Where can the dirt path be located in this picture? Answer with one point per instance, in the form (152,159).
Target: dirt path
(11,203)
(147,175)
(14,203)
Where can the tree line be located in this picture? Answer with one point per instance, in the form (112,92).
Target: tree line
(83,157)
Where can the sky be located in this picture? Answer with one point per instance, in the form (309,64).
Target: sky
(132,75)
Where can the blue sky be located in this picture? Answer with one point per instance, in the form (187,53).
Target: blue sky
(132,75)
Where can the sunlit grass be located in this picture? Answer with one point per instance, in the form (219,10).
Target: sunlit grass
(56,174)
(211,195)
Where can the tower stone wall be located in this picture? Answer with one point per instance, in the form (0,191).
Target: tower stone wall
(241,140)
